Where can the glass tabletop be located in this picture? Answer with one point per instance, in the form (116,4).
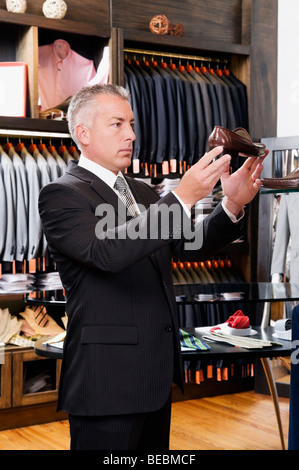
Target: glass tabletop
(201,293)
(236,292)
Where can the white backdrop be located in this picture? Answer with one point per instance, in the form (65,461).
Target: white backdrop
(288,69)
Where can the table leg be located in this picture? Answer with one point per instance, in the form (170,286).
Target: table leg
(272,387)
(266,315)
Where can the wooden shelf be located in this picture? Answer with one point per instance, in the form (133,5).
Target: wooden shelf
(150,40)
(31,124)
(97,29)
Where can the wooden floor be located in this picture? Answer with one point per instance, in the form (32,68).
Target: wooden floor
(243,421)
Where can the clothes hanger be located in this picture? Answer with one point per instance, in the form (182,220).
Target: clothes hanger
(136,61)
(32,147)
(7,146)
(72,149)
(215,264)
(220,263)
(226,72)
(163,65)
(74,152)
(144,63)
(188,67)
(41,146)
(154,63)
(51,148)
(181,67)
(61,149)
(19,147)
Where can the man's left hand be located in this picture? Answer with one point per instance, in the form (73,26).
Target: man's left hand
(242,186)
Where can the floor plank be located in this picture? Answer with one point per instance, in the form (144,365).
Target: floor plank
(242,421)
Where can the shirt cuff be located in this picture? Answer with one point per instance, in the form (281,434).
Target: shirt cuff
(232,217)
(185,207)
(277,277)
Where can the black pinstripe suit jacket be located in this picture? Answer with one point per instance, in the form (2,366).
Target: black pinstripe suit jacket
(122,348)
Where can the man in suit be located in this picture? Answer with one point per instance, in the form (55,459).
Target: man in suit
(287,234)
(122,349)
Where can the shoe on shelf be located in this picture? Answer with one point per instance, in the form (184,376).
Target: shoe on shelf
(236,142)
(289,181)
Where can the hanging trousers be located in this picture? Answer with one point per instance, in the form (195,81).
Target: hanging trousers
(140,431)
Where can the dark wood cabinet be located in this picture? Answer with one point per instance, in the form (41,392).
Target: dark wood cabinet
(5,380)
(243,31)
(35,379)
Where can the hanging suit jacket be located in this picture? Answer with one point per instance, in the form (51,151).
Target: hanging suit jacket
(151,112)
(143,105)
(34,223)
(21,208)
(10,190)
(287,230)
(136,104)
(122,349)
(2,213)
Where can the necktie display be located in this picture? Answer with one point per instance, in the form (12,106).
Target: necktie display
(190,341)
(125,196)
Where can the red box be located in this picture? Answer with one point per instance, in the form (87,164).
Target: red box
(13,89)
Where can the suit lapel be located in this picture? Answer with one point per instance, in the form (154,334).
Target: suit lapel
(100,187)
(110,197)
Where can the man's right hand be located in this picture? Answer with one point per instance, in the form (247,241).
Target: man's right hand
(201,178)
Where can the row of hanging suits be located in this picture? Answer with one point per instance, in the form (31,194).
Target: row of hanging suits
(23,172)
(199,314)
(205,272)
(176,109)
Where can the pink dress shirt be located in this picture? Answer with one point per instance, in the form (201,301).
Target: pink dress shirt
(61,73)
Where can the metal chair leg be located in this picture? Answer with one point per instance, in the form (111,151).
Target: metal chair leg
(273,390)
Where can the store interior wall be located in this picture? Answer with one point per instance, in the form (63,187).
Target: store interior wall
(288,69)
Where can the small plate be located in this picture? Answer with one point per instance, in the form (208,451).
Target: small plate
(232,295)
(204,297)
(236,331)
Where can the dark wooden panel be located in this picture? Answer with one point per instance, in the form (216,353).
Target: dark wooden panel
(202,20)
(205,47)
(263,70)
(28,124)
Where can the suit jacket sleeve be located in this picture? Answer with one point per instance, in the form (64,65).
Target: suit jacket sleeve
(73,229)
(282,238)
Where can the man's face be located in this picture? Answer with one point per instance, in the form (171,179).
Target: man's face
(110,142)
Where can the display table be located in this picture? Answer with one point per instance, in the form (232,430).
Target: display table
(251,293)
(225,351)
(221,351)
(188,293)
(47,350)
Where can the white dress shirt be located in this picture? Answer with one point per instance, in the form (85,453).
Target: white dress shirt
(109,178)
(105,175)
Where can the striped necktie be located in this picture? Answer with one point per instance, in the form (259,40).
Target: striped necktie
(190,341)
(125,196)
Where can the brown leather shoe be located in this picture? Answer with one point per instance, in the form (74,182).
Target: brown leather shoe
(237,142)
(287,182)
